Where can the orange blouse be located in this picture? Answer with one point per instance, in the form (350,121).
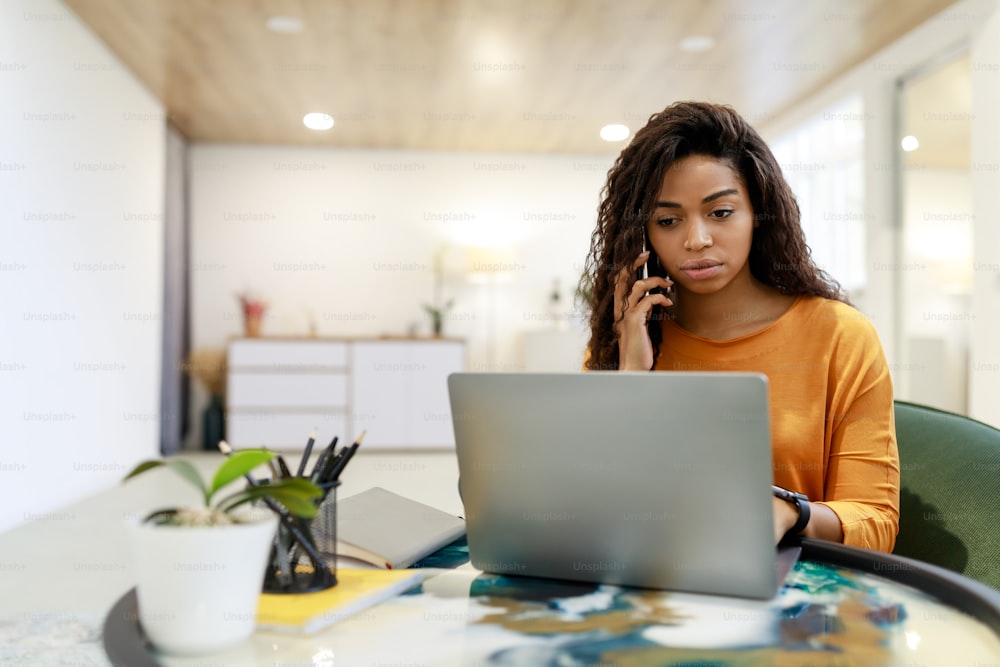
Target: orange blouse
(832,422)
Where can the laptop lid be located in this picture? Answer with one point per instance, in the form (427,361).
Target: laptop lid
(658,480)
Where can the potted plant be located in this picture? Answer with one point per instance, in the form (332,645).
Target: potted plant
(437,314)
(200,569)
(438,308)
(254,309)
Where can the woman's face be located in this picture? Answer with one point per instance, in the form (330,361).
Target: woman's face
(702,225)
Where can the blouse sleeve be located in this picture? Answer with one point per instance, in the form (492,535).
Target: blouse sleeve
(862,472)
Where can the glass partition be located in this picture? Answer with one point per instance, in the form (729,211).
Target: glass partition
(934,251)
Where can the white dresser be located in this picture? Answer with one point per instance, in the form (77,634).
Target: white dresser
(395,389)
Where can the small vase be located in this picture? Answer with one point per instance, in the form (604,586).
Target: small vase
(198,586)
(251,325)
(213,424)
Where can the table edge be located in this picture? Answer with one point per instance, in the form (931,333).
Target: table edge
(951,588)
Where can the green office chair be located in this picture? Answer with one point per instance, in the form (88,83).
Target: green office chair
(949,491)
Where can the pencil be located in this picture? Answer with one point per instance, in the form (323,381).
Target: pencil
(342,463)
(283,467)
(305,455)
(324,457)
(284,573)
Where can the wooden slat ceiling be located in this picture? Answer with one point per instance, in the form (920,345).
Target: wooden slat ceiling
(481,75)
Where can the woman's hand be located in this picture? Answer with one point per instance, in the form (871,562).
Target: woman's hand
(635,351)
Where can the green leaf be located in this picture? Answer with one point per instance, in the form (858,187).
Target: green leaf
(142,467)
(297,505)
(297,495)
(301,486)
(182,468)
(236,465)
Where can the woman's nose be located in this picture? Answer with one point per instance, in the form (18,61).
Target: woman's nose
(698,236)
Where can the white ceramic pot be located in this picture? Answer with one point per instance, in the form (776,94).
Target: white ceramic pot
(198,587)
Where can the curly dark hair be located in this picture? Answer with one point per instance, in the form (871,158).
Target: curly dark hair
(779,256)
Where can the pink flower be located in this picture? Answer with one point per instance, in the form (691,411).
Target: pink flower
(252,307)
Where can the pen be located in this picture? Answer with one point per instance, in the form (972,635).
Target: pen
(336,463)
(305,455)
(322,460)
(323,475)
(346,458)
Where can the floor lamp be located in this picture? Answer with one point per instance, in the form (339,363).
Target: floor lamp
(489,265)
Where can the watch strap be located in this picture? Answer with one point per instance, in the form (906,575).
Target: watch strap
(801,502)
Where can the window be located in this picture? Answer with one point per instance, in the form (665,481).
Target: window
(823,162)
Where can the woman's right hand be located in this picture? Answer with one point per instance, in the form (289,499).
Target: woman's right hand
(635,350)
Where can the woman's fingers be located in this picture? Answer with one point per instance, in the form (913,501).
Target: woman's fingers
(633,307)
(635,303)
(625,276)
(646,285)
(644,303)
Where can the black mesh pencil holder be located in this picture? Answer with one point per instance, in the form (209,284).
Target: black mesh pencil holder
(298,564)
(324,525)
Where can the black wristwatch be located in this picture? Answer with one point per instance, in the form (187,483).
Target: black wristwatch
(801,503)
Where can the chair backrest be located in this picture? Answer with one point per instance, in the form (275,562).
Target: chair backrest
(950,491)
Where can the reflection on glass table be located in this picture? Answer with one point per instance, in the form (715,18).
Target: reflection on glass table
(839,606)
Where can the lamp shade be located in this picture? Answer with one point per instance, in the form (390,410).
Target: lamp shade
(490,264)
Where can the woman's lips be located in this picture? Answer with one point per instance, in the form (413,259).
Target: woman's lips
(701,270)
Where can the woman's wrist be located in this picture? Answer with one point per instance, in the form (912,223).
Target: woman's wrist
(788,515)
(798,510)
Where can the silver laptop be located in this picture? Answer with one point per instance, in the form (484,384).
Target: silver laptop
(656,480)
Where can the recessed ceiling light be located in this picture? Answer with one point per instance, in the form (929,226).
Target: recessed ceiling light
(697,44)
(318,120)
(909,143)
(286,24)
(614,132)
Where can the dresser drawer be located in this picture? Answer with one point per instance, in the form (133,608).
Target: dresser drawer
(284,430)
(281,355)
(249,389)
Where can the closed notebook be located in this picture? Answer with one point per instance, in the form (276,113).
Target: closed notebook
(355,590)
(391,531)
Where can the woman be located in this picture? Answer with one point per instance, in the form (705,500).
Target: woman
(697,203)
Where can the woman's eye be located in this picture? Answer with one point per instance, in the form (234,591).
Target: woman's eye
(722,213)
(666,222)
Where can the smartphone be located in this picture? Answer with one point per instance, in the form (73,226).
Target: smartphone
(643,272)
(652,267)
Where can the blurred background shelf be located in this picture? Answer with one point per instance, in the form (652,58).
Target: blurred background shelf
(395,389)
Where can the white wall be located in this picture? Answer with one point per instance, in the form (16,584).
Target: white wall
(984,362)
(348,238)
(81,181)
